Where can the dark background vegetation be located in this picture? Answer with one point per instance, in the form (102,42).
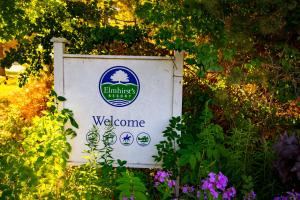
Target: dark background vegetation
(241,90)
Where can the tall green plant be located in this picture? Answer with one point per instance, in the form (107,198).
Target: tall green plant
(167,152)
(242,143)
(94,179)
(97,179)
(194,150)
(109,173)
(201,147)
(131,187)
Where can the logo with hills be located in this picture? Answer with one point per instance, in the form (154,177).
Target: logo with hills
(119,86)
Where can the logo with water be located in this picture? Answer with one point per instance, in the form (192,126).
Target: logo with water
(119,86)
(143,139)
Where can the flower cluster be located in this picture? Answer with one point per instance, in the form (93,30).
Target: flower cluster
(250,196)
(216,183)
(290,196)
(164,184)
(213,187)
(163,177)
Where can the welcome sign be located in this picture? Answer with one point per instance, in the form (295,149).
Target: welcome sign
(136,94)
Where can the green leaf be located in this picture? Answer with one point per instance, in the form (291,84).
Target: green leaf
(140,196)
(61,98)
(69,147)
(228,54)
(53,93)
(124,187)
(192,161)
(73,122)
(166,195)
(215,68)
(124,194)
(201,74)
(67,111)
(121,162)
(70,132)
(183,160)
(48,152)
(139,186)
(52,108)
(39,161)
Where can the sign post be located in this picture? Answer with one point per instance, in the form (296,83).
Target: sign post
(136,94)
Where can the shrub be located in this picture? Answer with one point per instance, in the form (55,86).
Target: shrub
(287,163)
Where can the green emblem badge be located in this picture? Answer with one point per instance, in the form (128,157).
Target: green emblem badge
(143,139)
(119,86)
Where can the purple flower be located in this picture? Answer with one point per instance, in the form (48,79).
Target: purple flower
(252,195)
(132,198)
(232,191)
(281,198)
(161,176)
(185,189)
(291,195)
(214,193)
(212,177)
(225,195)
(229,193)
(207,185)
(192,189)
(198,194)
(205,196)
(294,194)
(171,183)
(124,198)
(222,181)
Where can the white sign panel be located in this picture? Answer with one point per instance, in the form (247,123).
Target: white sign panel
(138,95)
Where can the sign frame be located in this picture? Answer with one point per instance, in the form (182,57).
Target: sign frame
(59,79)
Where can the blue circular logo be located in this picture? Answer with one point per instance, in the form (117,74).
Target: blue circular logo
(119,86)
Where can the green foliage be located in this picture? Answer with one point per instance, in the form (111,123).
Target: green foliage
(12,124)
(97,178)
(93,151)
(109,173)
(248,185)
(85,25)
(39,160)
(202,148)
(195,150)
(131,186)
(84,182)
(167,149)
(242,55)
(11,26)
(106,159)
(185,26)
(45,145)
(90,180)
(267,182)
(242,146)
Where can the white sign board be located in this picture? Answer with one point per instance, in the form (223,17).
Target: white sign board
(137,94)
